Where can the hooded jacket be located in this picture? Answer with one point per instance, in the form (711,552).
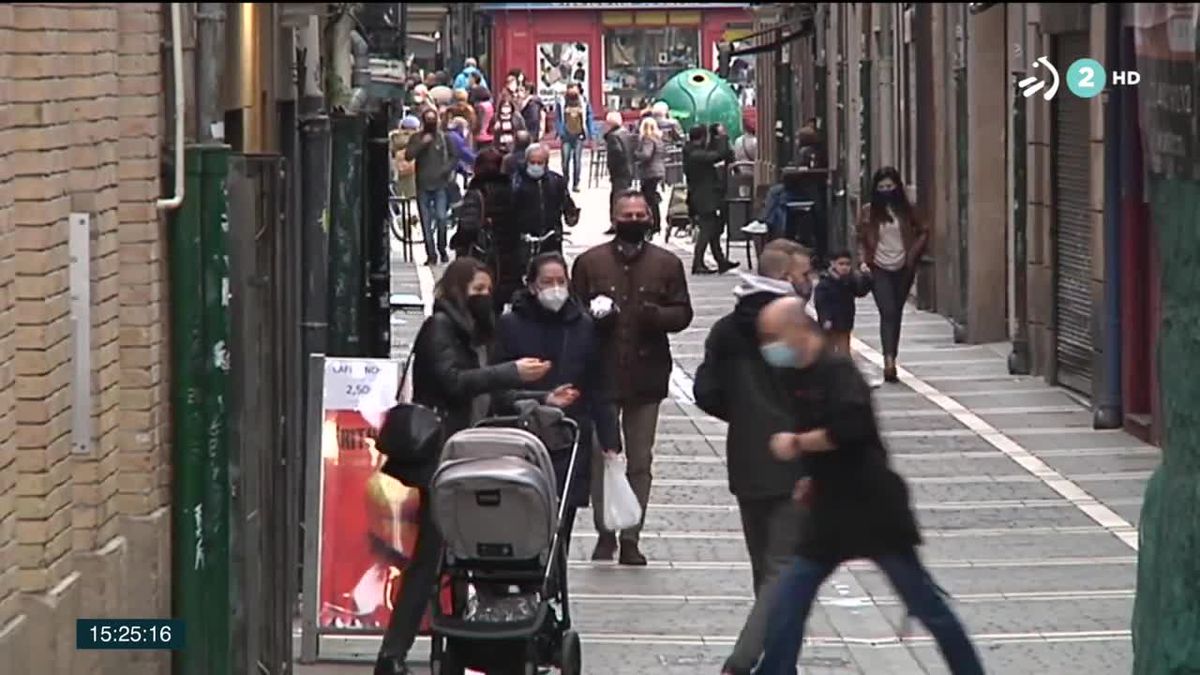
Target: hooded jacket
(735,385)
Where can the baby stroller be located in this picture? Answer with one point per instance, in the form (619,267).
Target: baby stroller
(497,502)
(679,217)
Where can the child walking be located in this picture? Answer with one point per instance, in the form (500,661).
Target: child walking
(834,298)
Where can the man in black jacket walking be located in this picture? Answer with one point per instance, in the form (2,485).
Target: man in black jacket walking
(736,385)
(857,505)
(701,155)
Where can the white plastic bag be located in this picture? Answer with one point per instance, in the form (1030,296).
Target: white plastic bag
(621,508)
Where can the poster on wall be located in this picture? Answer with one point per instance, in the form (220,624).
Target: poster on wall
(368,521)
(560,64)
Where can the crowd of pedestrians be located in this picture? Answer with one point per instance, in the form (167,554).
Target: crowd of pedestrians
(514,321)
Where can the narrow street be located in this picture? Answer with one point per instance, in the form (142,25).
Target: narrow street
(1028,517)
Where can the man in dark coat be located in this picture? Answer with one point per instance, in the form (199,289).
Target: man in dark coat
(618,147)
(542,200)
(735,385)
(857,506)
(638,294)
(706,194)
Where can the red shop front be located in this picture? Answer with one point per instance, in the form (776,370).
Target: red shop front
(621,52)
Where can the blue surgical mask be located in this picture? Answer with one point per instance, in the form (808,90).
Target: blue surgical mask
(779,355)
(535,171)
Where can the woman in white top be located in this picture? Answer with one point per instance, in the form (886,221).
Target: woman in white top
(891,239)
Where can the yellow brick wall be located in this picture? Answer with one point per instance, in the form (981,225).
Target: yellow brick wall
(80,130)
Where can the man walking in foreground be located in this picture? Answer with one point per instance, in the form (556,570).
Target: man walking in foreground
(857,506)
(637,293)
(735,385)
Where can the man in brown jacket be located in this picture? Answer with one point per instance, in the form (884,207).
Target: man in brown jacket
(637,292)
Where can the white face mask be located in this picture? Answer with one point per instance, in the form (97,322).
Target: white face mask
(553,298)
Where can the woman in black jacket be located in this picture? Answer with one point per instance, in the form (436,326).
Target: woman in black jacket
(450,374)
(547,323)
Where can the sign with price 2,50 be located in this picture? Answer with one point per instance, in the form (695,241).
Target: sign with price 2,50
(349,383)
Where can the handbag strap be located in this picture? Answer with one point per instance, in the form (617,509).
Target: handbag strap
(412,350)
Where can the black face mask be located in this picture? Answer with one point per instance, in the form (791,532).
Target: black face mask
(483,314)
(889,196)
(431,125)
(632,231)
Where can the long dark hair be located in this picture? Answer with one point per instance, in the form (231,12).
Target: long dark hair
(456,279)
(879,205)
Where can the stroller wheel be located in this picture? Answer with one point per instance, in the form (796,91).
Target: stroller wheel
(572,654)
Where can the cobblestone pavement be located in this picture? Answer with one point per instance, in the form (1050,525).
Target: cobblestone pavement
(1028,517)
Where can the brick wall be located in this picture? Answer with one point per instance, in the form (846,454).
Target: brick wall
(80,131)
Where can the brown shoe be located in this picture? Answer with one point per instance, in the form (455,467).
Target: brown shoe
(606,547)
(630,555)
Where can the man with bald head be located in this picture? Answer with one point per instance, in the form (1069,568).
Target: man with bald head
(735,385)
(856,505)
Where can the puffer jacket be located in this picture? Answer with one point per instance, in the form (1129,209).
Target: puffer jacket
(568,340)
(450,372)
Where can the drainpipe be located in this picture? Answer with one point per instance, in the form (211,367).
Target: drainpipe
(1108,412)
(360,76)
(210,66)
(174,202)
(1018,360)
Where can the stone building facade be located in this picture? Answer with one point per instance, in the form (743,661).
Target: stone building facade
(84,453)
(1013,187)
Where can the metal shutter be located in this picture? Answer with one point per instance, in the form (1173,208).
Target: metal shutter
(1073,228)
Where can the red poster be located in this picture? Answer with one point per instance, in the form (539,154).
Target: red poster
(368,528)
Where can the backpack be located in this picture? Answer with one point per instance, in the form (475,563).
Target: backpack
(573,119)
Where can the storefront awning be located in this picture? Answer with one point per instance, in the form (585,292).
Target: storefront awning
(795,34)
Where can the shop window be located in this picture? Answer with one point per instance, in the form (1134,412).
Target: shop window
(639,61)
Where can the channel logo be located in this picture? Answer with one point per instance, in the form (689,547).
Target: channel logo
(1033,84)
(1086,78)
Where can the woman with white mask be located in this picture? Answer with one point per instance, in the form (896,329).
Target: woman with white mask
(547,322)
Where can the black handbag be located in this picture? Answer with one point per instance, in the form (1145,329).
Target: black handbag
(411,439)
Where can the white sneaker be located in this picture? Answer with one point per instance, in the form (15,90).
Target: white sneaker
(755,227)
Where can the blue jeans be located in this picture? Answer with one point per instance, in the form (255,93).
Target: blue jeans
(434,209)
(572,154)
(796,590)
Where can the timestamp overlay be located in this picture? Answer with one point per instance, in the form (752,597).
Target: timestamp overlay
(129,634)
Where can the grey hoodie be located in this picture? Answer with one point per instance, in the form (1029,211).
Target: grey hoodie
(753,283)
